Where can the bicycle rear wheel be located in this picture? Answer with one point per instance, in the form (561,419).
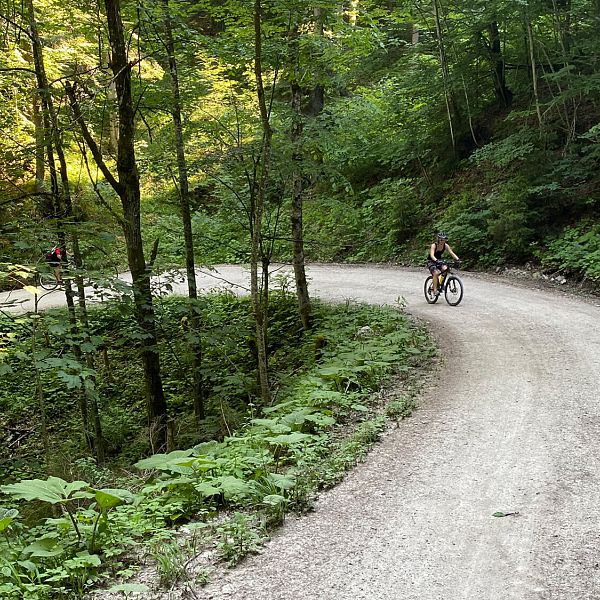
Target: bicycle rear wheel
(428,289)
(47,281)
(454,290)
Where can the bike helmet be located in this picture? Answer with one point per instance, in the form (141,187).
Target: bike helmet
(441,236)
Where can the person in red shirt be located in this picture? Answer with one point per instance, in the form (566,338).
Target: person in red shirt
(54,259)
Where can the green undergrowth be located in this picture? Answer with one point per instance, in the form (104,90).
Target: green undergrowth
(220,497)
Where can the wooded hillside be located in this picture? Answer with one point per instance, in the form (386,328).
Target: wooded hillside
(387,121)
(166,135)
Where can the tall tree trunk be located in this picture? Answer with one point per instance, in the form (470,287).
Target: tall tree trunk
(128,189)
(61,213)
(40,396)
(503,94)
(534,76)
(445,70)
(297,185)
(562,16)
(317,94)
(257,210)
(40,165)
(113,120)
(184,201)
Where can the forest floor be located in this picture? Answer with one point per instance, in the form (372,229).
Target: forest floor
(488,492)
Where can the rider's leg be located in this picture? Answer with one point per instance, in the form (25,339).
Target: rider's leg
(444,272)
(435,274)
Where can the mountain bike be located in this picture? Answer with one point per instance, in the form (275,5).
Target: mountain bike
(47,281)
(45,277)
(448,284)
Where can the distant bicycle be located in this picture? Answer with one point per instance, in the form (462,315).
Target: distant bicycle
(47,280)
(448,284)
(48,275)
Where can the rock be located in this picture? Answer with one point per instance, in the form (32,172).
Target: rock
(364,332)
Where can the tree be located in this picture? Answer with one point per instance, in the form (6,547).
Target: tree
(127,187)
(62,212)
(184,200)
(260,293)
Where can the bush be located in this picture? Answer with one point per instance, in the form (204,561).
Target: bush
(576,250)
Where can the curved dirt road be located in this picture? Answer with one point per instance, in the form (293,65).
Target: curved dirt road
(516,429)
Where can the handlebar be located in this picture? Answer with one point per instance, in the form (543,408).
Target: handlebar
(455,264)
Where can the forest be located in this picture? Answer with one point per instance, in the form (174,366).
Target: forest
(168,136)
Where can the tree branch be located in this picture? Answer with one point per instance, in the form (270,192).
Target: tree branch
(16,26)
(6,69)
(94,183)
(153,255)
(89,140)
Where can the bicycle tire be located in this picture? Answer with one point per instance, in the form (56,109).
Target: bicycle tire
(47,281)
(427,288)
(453,290)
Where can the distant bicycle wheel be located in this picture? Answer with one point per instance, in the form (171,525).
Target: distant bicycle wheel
(47,281)
(454,290)
(428,289)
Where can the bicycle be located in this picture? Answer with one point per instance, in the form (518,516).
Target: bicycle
(449,284)
(47,281)
(44,275)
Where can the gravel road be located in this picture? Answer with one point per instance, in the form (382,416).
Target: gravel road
(514,428)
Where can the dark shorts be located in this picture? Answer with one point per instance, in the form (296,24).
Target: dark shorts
(434,265)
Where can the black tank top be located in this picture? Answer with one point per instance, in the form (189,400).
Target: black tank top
(438,253)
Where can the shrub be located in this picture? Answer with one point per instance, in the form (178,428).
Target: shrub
(576,250)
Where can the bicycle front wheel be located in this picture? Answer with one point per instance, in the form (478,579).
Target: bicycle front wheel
(454,290)
(47,281)
(428,289)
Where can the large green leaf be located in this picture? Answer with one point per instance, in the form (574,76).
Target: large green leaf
(168,462)
(284,482)
(289,439)
(274,500)
(109,498)
(233,487)
(44,548)
(206,489)
(272,425)
(321,419)
(82,560)
(53,490)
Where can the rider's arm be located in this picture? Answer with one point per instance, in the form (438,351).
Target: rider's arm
(452,253)
(432,252)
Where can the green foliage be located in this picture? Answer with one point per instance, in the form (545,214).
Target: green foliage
(238,537)
(274,462)
(49,559)
(507,152)
(576,250)
(400,409)
(170,561)
(53,490)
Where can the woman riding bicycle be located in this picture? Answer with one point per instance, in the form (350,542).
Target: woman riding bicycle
(435,262)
